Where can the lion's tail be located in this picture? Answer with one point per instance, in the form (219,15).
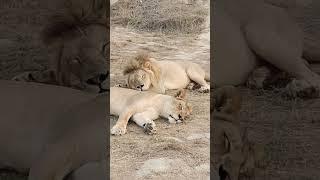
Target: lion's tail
(207,76)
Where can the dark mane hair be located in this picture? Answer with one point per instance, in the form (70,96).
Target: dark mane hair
(70,21)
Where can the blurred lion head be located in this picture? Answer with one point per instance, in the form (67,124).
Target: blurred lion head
(80,45)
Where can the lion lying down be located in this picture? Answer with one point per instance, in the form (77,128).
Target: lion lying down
(52,132)
(260,31)
(144,107)
(147,73)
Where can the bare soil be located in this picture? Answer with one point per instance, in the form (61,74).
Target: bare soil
(289,129)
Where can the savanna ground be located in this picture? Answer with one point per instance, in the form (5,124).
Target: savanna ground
(169,30)
(289,129)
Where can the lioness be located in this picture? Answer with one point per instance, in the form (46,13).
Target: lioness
(147,73)
(52,131)
(144,107)
(233,154)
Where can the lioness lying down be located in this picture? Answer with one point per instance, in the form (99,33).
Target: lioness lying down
(52,132)
(147,73)
(234,155)
(144,107)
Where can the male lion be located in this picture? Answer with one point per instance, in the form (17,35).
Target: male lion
(52,132)
(147,73)
(144,107)
(79,41)
(249,30)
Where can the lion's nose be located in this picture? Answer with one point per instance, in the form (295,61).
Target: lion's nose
(141,86)
(223,173)
(179,116)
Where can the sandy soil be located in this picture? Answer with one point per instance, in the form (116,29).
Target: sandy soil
(289,129)
(177,151)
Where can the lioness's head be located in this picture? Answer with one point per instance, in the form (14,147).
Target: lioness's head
(176,110)
(142,73)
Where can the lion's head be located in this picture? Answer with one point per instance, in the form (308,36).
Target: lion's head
(143,74)
(81,50)
(177,109)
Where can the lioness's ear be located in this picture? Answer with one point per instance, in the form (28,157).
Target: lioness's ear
(181,94)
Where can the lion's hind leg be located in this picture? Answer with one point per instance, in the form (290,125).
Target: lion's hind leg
(197,74)
(145,120)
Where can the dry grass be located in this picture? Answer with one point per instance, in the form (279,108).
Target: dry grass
(160,16)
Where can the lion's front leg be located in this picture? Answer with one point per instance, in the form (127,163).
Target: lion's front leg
(145,120)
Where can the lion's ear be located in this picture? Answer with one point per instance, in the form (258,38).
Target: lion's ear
(147,65)
(189,108)
(181,94)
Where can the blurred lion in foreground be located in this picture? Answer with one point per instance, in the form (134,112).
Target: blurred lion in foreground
(78,37)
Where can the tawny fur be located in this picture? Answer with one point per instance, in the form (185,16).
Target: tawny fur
(160,76)
(54,131)
(144,107)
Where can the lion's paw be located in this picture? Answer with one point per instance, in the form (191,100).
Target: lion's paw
(26,76)
(204,89)
(258,77)
(118,130)
(149,128)
(191,86)
(301,89)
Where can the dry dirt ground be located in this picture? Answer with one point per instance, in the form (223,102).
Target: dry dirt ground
(289,129)
(178,151)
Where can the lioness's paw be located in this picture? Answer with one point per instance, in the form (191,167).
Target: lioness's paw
(149,128)
(301,89)
(117,130)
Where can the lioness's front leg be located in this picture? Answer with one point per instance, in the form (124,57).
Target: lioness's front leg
(145,120)
(55,163)
(120,127)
